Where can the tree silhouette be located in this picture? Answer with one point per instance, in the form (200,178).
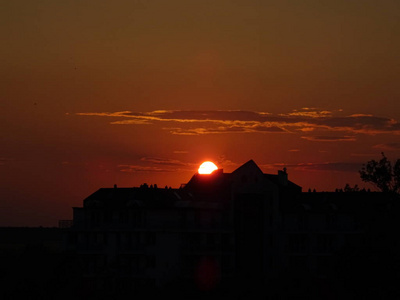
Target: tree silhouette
(382,174)
(349,189)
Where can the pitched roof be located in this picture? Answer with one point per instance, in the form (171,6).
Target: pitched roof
(214,187)
(248,165)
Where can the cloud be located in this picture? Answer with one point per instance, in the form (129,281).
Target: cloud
(224,162)
(329,138)
(189,122)
(131,122)
(365,124)
(309,113)
(157,164)
(105,114)
(388,146)
(361,115)
(137,168)
(331,166)
(222,129)
(326,166)
(363,154)
(163,161)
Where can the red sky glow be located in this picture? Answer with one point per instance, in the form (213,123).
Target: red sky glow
(97,93)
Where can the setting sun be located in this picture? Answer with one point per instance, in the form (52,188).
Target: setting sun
(207,167)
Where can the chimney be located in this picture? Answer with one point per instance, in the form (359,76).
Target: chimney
(283,177)
(218,171)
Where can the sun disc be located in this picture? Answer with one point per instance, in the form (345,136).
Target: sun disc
(207,167)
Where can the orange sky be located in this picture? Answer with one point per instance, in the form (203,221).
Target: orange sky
(97,93)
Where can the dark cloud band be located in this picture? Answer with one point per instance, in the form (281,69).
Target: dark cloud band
(189,122)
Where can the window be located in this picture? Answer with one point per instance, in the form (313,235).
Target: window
(150,238)
(100,238)
(298,263)
(302,221)
(197,218)
(226,241)
(269,241)
(331,221)
(226,262)
(211,240)
(150,261)
(183,218)
(297,243)
(324,265)
(225,218)
(72,238)
(324,243)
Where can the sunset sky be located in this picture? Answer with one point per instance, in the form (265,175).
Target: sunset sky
(97,93)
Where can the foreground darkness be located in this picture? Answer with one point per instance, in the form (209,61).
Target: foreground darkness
(34,266)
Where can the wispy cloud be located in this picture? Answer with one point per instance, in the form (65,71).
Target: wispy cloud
(223,129)
(166,165)
(321,123)
(363,154)
(388,146)
(163,161)
(138,168)
(329,138)
(223,161)
(325,166)
(132,122)
(157,164)
(309,112)
(331,166)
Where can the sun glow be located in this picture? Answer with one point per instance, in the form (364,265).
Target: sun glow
(207,167)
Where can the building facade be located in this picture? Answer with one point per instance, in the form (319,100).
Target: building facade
(241,231)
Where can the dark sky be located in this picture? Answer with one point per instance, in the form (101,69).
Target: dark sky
(97,93)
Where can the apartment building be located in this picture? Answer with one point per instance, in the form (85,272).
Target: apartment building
(218,230)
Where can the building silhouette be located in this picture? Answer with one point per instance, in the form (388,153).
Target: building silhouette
(240,234)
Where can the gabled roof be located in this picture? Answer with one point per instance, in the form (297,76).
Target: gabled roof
(218,181)
(207,188)
(210,187)
(250,165)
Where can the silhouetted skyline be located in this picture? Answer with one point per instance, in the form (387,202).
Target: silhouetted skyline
(97,93)
(219,236)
